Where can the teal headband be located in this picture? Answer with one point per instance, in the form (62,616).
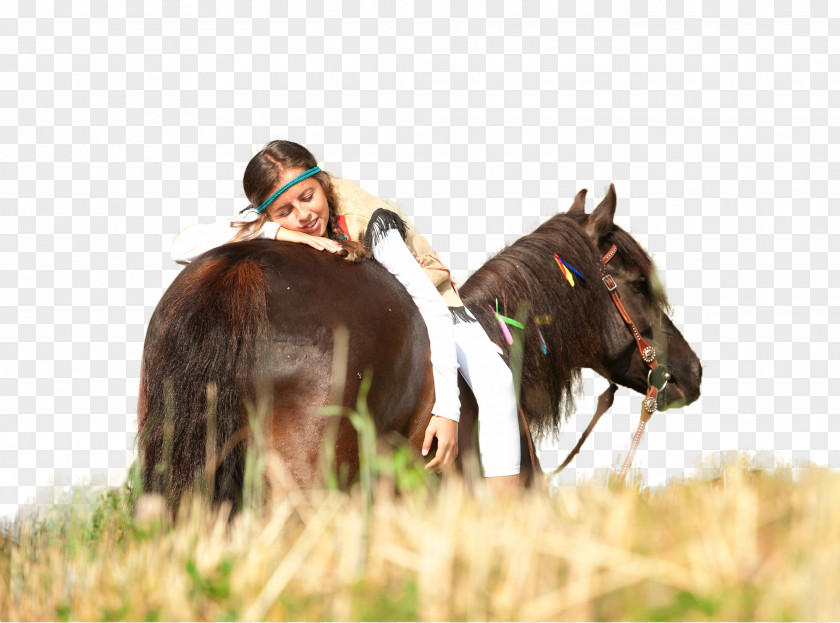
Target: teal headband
(299,178)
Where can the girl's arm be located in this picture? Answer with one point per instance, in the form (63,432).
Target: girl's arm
(394,255)
(197,239)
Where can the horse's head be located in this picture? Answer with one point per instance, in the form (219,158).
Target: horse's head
(643,297)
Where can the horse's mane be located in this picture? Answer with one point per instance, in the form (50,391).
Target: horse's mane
(525,276)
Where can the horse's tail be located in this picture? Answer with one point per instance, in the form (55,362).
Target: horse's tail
(210,330)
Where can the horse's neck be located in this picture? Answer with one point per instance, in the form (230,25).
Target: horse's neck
(558,339)
(564,320)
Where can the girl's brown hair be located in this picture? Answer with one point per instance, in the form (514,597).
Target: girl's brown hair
(262,177)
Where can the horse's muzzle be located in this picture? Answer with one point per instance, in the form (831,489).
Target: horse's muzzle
(681,390)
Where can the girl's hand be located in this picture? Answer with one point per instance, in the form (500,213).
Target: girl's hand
(446,432)
(316,242)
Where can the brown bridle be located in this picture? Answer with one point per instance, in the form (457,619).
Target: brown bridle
(658,373)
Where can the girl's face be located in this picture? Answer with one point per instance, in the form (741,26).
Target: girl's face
(303,207)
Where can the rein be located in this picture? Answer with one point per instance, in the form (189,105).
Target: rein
(657,374)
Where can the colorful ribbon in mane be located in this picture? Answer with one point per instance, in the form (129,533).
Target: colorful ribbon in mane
(503,321)
(565,267)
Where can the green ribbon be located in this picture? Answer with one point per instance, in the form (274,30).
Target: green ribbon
(506,320)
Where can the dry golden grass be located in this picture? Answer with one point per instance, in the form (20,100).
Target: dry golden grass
(752,546)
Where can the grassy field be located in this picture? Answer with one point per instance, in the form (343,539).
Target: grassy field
(746,546)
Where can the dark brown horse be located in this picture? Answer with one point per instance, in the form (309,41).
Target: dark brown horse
(260,315)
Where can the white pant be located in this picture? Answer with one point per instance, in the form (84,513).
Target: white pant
(463,345)
(492,383)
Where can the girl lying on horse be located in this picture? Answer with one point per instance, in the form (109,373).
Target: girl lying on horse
(292,199)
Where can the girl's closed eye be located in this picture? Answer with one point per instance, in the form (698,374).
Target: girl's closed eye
(287,211)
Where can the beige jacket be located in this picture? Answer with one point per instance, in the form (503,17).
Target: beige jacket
(357,206)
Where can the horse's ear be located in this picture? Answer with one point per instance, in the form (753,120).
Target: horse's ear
(579,203)
(600,221)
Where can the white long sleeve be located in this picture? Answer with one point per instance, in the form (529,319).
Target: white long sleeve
(196,239)
(392,253)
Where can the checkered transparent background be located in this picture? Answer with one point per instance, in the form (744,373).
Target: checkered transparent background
(718,123)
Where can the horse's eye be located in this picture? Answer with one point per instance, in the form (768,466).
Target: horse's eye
(641,284)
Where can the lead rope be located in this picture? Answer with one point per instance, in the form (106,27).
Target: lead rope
(640,430)
(605,401)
